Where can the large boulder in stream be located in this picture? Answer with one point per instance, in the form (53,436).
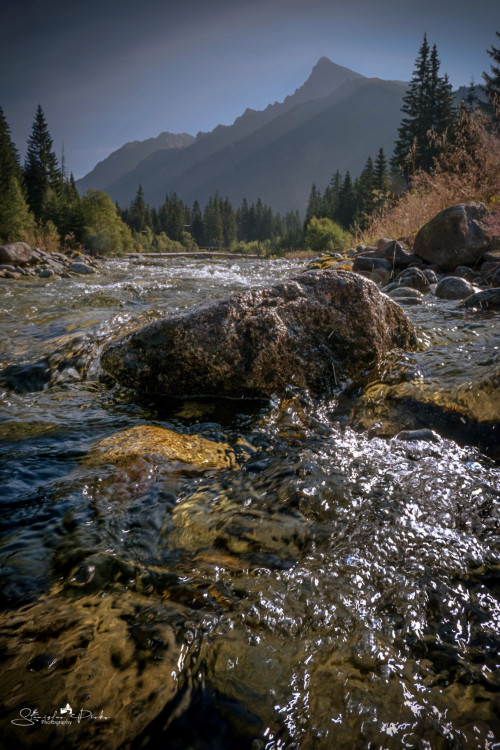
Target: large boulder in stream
(456,236)
(16,254)
(308,331)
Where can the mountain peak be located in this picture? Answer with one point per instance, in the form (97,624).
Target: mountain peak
(326,77)
(325,62)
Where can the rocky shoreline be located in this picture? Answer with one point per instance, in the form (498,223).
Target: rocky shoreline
(455,256)
(19,260)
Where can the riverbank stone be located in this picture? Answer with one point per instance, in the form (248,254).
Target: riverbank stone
(378,268)
(455,236)
(16,254)
(454,287)
(487,299)
(404,291)
(81,268)
(308,331)
(413,278)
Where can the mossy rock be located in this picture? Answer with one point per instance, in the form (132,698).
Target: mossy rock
(342,264)
(159,445)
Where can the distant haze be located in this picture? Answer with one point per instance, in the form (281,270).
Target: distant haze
(335,120)
(109,72)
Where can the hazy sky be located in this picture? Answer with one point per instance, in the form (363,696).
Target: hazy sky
(108,71)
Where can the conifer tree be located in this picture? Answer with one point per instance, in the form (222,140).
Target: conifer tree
(492,81)
(314,207)
(381,172)
(242,221)
(14,214)
(331,197)
(413,127)
(472,99)
(15,218)
(197,223)
(347,202)
(171,216)
(229,226)
(365,196)
(9,155)
(139,216)
(41,172)
(294,234)
(212,224)
(427,105)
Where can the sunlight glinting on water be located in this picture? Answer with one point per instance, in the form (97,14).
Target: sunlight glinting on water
(333,586)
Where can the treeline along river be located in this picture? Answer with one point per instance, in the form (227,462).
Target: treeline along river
(335,587)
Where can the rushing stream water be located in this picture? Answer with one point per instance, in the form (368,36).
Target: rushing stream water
(335,588)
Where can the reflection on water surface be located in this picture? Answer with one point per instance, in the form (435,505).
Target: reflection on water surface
(335,587)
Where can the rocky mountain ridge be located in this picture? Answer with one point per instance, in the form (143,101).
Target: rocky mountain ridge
(335,120)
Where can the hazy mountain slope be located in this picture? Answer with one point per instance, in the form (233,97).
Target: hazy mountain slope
(325,78)
(127,157)
(335,120)
(280,161)
(168,172)
(341,136)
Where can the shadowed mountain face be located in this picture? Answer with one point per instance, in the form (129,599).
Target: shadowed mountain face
(334,121)
(127,157)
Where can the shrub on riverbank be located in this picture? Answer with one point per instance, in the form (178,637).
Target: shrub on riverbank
(324,235)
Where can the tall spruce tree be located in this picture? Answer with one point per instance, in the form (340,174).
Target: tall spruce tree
(139,215)
(213,230)
(492,82)
(9,155)
(331,197)
(293,236)
(347,202)
(197,223)
(314,205)
(427,105)
(14,215)
(381,172)
(413,127)
(229,225)
(440,108)
(42,176)
(365,192)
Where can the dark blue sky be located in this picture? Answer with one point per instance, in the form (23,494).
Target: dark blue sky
(109,72)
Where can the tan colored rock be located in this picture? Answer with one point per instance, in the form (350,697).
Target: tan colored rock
(160,444)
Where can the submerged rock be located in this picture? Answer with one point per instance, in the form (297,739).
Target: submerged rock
(307,331)
(404,291)
(81,268)
(468,412)
(161,444)
(26,377)
(103,657)
(423,434)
